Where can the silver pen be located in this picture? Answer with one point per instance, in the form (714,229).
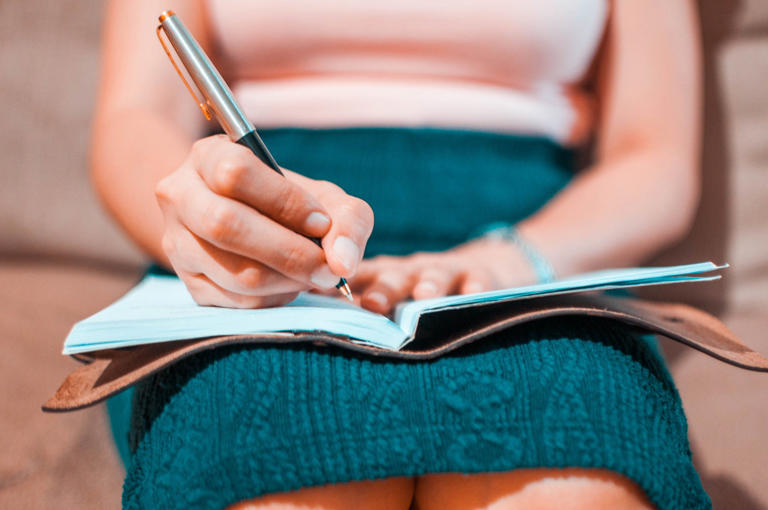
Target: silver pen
(218,100)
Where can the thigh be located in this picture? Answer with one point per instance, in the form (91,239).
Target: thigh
(389,493)
(532,489)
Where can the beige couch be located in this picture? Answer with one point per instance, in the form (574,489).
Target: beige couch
(62,259)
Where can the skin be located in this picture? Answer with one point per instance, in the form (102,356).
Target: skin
(186,202)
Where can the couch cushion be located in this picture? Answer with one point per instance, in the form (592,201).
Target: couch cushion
(751,16)
(727,416)
(744,74)
(51,460)
(49,56)
(730,224)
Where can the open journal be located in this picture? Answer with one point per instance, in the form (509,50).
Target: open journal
(157,324)
(159,309)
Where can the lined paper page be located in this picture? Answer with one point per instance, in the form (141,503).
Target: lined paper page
(160,309)
(407,314)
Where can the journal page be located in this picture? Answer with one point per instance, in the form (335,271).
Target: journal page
(160,309)
(407,314)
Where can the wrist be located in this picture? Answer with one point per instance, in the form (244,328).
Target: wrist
(522,250)
(502,259)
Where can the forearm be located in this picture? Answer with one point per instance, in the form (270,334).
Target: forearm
(131,150)
(617,213)
(642,193)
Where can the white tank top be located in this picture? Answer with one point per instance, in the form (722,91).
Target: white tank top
(510,66)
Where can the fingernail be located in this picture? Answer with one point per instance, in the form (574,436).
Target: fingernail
(347,251)
(317,221)
(425,288)
(323,277)
(378,298)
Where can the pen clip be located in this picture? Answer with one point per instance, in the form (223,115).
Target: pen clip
(201,104)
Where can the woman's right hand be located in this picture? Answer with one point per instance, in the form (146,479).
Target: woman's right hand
(235,229)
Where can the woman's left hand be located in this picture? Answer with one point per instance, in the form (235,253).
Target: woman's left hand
(477,266)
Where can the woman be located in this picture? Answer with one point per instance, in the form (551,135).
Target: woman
(441,119)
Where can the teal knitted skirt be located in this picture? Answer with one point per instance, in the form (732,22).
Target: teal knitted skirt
(238,422)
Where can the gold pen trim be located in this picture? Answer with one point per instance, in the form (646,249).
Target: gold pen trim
(201,104)
(166,14)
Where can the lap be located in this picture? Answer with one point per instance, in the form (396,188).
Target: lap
(565,393)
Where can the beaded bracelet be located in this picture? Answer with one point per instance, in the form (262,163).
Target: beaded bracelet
(507,232)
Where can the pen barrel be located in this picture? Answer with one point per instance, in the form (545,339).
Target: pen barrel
(217,94)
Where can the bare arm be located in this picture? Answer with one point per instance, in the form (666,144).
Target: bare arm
(233,230)
(144,123)
(642,192)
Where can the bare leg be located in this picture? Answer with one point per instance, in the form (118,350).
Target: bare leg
(386,494)
(531,489)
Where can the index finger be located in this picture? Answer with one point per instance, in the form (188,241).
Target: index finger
(231,170)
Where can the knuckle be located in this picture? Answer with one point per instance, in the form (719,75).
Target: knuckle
(164,190)
(250,278)
(206,143)
(346,211)
(364,211)
(228,176)
(199,147)
(328,187)
(218,223)
(240,151)
(358,210)
(168,245)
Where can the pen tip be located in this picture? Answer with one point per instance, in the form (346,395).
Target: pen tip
(344,289)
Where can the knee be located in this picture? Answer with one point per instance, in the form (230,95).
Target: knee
(576,489)
(383,494)
(533,489)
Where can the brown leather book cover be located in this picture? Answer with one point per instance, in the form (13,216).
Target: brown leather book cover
(108,372)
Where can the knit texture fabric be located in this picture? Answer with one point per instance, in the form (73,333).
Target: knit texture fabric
(238,422)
